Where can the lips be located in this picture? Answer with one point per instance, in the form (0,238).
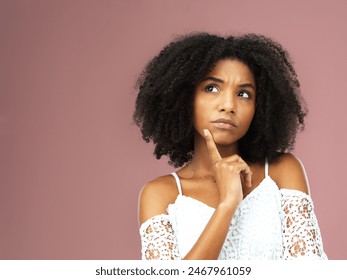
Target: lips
(224,123)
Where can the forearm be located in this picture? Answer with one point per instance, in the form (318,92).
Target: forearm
(211,240)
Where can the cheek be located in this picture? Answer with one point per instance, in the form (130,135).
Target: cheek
(248,117)
(251,115)
(200,110)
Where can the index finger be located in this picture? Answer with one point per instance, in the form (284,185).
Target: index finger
(211,147)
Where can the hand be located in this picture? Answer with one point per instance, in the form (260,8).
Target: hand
(230,172)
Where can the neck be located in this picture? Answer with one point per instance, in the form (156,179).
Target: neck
(201,160)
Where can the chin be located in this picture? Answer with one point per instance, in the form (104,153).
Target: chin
(225,141)
(225,138)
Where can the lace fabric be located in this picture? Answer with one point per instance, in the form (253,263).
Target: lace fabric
(269,224)
(158,239)
(255,230)
(301,234)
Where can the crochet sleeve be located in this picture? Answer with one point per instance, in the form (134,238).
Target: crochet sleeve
(158,239)
(301,234)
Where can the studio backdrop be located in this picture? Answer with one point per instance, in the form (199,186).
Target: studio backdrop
(72,162)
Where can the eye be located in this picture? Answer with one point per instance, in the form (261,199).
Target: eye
(211,88)
(244,94)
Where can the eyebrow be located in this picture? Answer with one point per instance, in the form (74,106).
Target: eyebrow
(247,86)
(213,79)
(222,82)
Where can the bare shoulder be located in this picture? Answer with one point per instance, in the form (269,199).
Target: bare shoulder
(289,173)
(155,196)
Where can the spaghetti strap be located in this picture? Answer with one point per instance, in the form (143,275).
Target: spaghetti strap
(266,168)
(177,182)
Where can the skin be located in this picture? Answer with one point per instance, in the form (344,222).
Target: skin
(228,92)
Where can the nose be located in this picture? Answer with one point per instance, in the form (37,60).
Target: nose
(227,102)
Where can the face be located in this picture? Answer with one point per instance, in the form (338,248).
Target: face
(224,102)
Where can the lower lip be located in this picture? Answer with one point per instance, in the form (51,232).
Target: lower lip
(224,126)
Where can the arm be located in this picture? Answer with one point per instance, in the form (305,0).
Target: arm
(158,238)
(301,234)
(211,240)
(228,172)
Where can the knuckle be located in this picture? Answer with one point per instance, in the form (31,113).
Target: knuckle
(233,168)
(236,157)
(217,164)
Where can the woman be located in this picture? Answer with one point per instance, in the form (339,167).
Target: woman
(225,110)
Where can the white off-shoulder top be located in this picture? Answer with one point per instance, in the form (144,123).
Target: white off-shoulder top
(269,224)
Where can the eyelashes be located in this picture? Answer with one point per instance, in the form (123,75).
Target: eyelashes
(211,88)
(214,89)
(248,95)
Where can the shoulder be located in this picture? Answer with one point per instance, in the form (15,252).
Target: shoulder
(289,173)
(155,196)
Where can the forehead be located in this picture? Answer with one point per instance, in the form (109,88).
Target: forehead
(232,68)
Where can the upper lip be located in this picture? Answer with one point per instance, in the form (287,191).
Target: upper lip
(228,121)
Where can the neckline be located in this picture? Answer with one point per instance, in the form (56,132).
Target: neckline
(255,190)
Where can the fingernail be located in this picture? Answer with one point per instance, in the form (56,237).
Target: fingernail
(205,132)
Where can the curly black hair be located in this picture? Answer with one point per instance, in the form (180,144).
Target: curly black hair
(164,105)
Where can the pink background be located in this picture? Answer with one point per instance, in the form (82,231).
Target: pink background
(72,163)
